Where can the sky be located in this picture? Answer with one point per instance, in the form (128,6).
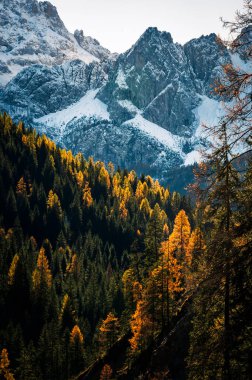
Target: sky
(117,24)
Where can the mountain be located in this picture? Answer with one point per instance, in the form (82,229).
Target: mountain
(142,109)
(32,32)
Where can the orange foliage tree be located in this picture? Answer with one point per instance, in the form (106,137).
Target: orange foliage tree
(5,372)
(109,330)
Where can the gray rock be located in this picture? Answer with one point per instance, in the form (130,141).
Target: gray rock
(206,55)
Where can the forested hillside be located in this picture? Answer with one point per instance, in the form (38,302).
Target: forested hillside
(70,230)
(90,253)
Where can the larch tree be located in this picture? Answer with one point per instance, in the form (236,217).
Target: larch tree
(76,350)
(42,274)
(141,327)
(5,371)
(223,184)
(171,278)
(179,237)
(154,235)
(109,331)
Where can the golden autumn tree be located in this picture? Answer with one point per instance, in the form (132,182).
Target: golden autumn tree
(116,185)
(87,196)
(109,330)
(12,270)
(103,177)
(73,266)
(145,208)
(180,235)
(141,327)
(53,203)
(76,335)
(5,372)
(42,274)
(66,315)
(79,178)
(76,350)
(171,280)
(21,187)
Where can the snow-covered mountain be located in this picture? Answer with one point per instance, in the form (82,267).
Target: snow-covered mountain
(142,109)
(32,32)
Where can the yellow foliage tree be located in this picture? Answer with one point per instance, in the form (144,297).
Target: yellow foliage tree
(87,196)
(53,202)
(139,191)
(42,274)
(72,267)
(79,178)
(104,177)
(123,210)
(194,258)
(109,330)
(12,270)
(179,238)
(141,327)
(116,185)
(5,372)
(196,246)
(145,207)
(171,280)
(21,187)
(76,335)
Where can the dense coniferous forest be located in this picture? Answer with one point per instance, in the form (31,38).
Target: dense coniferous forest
(70,231)
(89,253)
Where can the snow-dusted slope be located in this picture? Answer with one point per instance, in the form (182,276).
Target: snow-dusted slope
(32,32)
(87,107)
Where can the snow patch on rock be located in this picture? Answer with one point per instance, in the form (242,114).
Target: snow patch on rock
(165,137)
(192,158)
(121,79)
(88,106)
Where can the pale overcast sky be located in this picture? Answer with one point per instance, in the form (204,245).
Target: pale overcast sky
(117,24)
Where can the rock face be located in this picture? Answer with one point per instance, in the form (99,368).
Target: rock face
(91,45)
(206,57)
(40,89)
(32,32)
(156,77)
(141,109)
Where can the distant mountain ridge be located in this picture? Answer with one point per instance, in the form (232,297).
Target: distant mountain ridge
(142,109)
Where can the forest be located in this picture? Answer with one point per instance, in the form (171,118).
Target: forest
(98,264)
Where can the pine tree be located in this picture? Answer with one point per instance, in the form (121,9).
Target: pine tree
(217,300)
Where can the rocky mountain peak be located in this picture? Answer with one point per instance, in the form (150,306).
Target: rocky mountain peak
(153,32)
(206,56)
(91,45)
(32,32)
(153,37)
